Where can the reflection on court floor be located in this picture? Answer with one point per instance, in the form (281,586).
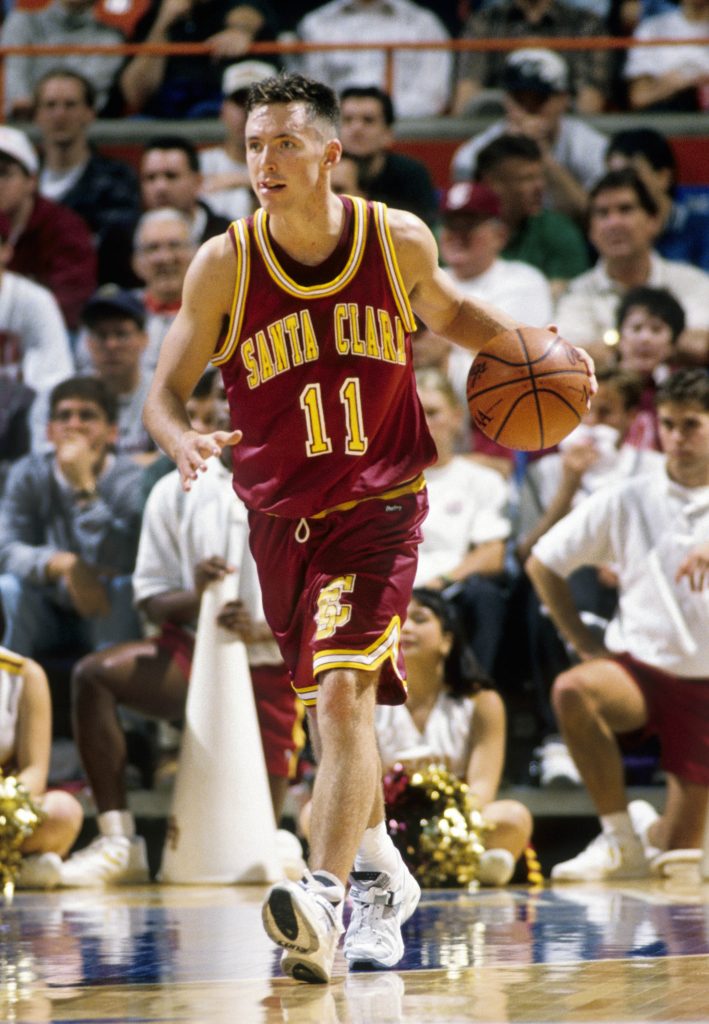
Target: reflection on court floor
(629,952)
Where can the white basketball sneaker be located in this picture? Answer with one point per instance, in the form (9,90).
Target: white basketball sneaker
(108,860)
(380,906)
(39,871)
(495,867)
(306,919)
(605,858)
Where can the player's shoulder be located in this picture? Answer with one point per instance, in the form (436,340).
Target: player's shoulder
(410,236)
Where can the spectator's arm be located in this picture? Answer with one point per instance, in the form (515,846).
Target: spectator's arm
(143,75)
(242,25)
(554,592)
(484,770)
(647,90)
(34,730)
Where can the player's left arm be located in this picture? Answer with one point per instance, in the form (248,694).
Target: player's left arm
(435,298)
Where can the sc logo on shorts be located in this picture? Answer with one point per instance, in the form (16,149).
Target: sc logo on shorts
(332,612)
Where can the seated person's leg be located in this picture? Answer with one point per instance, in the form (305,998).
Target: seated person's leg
(482,606)
(33,624)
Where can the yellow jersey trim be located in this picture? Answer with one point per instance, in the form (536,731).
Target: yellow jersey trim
(11,662)
(318,291)
(369,660)
(392,267)
(242,249)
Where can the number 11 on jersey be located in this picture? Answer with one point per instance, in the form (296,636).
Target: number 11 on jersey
(319,442)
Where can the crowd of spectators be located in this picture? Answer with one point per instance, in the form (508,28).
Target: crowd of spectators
(543,215)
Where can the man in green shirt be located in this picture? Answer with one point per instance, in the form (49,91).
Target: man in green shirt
(512,166)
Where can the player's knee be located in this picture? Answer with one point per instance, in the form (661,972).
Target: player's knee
(89,682)
(345,697)
(568,694)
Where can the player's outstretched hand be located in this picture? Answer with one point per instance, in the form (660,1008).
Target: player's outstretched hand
(586,359)
(194,449)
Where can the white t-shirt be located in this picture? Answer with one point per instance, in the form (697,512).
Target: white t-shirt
(644,527)
(578,147)
(467,506)
(543,478)
(180,529)
(422,78)
(229,202)
(447,733)
(587,308)
(656,61)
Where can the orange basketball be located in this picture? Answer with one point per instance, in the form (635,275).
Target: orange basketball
(527,389)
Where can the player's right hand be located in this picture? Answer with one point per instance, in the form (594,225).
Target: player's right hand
(194,449)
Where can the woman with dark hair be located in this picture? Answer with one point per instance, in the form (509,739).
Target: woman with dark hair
(453,715)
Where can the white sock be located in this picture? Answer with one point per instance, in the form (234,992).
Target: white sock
(377,851)
(116,823)
(620,825)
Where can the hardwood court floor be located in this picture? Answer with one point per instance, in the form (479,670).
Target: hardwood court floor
(636,951)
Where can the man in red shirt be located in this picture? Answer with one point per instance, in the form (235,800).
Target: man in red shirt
(50,243)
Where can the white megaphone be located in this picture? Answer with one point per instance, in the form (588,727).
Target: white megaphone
(222,828)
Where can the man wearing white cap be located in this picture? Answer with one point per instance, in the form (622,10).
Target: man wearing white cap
(50,243)
(225,178)
(526,20)
(536,101)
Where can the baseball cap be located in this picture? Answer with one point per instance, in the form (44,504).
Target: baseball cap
(471,198)
(535,70)
(110,300)
(240,76)
(15,144)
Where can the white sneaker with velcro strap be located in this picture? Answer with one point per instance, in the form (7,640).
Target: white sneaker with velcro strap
(380,906)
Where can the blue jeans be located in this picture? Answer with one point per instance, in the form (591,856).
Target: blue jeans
(35,624)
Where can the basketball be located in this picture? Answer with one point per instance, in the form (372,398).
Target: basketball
(527,389)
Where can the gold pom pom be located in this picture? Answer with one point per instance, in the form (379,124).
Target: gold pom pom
(433,819)
(19,817)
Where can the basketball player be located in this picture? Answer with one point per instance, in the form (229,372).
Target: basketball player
(307,308)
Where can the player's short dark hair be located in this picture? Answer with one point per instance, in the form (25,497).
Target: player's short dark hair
(686,387)
(185,146)
(627,383)
(657,302)
(645,142)
(319,99)
(625,177)
(371,92)
(505,147)
(463,674)
(87,87)
(86,389)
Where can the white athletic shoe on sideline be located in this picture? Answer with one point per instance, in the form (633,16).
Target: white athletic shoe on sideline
(643,815)
(380,906)
(304,919)
(108,860)
(557,769)
(39,871)
(605,858)
(495,867)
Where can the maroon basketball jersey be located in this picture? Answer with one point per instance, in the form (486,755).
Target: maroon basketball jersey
(319,376)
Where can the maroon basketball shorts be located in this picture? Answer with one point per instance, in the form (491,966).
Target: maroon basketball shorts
(678,714)
(279,712)
(336,589)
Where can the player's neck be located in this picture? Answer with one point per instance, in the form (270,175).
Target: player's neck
(309,235)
